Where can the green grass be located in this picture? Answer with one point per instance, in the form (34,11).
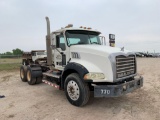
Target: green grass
(13,66)
(10,60)
(10,63)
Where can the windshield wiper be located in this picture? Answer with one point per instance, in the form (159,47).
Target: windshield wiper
(95,43)
(72,44)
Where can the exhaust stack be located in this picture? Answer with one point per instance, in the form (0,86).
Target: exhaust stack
(48,43)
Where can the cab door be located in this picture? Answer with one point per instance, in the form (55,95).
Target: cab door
(60,51)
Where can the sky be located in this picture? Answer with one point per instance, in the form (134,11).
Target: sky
(135,23)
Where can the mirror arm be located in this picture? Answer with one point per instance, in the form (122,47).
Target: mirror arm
(59,51)
(54,47)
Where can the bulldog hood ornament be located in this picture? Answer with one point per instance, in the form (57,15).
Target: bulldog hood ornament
(122,49)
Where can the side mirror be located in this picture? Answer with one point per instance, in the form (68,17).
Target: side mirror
(112,40)
(111,37)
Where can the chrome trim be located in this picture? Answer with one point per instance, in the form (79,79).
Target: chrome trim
(125,64)
(112,58)
(124,71)
(126,77)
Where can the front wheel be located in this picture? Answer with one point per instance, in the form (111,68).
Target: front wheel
(77,91)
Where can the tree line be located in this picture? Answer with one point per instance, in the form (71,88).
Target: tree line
(15,52)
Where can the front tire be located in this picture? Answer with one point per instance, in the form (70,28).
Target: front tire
(76,90)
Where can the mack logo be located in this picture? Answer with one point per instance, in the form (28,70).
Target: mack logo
(125,73)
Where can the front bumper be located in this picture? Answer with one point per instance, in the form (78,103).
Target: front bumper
(118,90)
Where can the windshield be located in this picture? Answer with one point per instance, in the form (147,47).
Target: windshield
(82,37)
(41,53)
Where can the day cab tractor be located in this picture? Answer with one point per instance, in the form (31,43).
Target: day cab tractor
(35,56)
(79,63)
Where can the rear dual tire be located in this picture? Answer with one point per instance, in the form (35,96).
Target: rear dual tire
(34,76)
(27,74)
(30,78)
(23,71)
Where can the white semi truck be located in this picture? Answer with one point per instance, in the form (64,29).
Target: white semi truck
(78,63)
(35,56)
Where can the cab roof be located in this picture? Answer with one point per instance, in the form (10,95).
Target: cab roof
(71,28)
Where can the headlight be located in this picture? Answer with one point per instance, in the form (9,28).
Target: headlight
(94,76)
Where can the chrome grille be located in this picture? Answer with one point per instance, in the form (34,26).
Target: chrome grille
(125,66)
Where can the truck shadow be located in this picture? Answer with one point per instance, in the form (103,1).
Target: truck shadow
(126,101)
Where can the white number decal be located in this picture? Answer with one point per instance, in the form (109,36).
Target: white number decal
(104,91)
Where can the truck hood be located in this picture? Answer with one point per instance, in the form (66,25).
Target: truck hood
(98,49)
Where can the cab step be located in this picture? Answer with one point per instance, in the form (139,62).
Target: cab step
(50,83)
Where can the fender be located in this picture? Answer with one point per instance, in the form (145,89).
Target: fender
(35,67)
(71,68)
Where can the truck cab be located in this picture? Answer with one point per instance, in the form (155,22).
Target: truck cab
(35,56)
(84,47)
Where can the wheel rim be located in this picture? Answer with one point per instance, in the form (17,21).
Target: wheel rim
(22,74)
(73,90)
(28,75)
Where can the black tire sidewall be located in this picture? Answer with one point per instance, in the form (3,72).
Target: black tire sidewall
(24,79)
(75,77)
(33,79)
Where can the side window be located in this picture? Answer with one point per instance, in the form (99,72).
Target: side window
(33,54)
(60,43)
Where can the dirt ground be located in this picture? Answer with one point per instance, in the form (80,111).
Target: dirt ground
(43,102)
